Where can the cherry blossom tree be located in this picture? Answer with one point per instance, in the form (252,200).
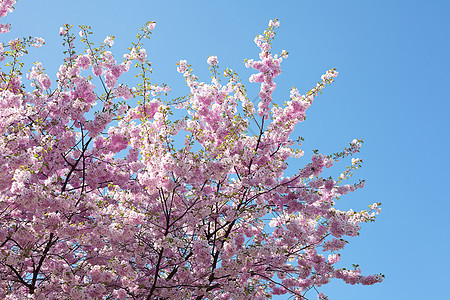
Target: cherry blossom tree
(99,199)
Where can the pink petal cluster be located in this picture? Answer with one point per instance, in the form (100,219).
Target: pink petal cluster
(84,61)
(268,67)
(212,61)
(6,6)
(151,25)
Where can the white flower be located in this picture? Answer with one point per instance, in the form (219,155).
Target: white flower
(109,40)
(355,161)
(151,25)
(212,60)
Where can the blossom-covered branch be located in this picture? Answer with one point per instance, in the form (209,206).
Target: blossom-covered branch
(98,201)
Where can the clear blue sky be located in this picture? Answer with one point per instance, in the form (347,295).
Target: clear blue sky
(393,91)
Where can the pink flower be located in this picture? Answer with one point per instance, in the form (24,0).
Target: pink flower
(151,25)
(124,92)
(334,258)
(142,55)
(110,80)
(97,70)
(274,23)
(109,40)
(4,28)
(329,184)
(120,294)
(116,71)
(212,61)
(182,66)
(44,81)
(83,61)
(38,42)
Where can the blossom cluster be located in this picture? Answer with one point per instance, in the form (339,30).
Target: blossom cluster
(6,6)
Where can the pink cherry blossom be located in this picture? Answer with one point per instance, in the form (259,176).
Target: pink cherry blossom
(99,199)
(212,61)
(151,25)
(109,41)
(44,81)
(84,61)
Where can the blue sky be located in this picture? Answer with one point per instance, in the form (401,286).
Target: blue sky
(392,91)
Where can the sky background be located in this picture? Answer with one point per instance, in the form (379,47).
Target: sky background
(392,91)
